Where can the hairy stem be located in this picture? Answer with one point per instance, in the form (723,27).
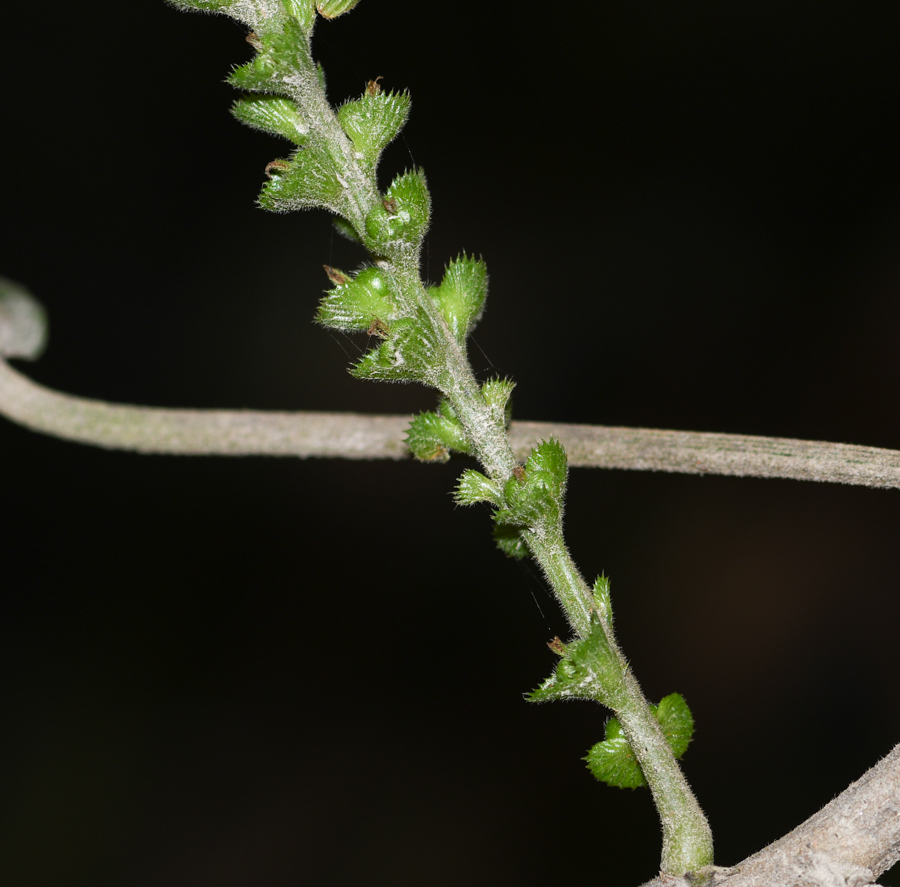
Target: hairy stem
(687,838)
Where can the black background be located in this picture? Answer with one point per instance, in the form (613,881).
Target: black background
(235,672)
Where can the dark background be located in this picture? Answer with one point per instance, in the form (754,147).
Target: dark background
(276,672)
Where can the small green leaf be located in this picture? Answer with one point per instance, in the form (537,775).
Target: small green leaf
(509,541)
(280,51)
(365,303)
(405,356)
(461,295)
(260,74)
(345,229)
(372,122)
(272,114)
(305,180)
(496,394)
(261,15)
(602,600)
(613,762)
(677,722)
(474,487)
(334,8)
(303,10)
(590,669)
(432,436)
(534,494)
(402,216)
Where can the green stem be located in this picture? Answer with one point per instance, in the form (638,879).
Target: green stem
(687,843)
(687,838)
(549,550)
(454,377)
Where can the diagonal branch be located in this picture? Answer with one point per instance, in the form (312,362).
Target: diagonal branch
(850,841)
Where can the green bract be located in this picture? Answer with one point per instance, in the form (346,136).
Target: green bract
(306,179)
(474,487)
(277,61)
(365,303)
(496,394)
(590,669)
(602,602)
(401,218)
(534,494)
(274,115)
(334,8)
(432,436)
(403,357)
(261,15)
(461,295)
(373,121)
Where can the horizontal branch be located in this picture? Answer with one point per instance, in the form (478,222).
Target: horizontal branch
(357,436)
(850,841)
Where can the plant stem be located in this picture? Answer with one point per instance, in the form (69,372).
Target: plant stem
(687,838)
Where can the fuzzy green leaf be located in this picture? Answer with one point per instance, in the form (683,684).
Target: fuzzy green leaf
(534,494)
(365,303)
(402,216)
(345,229)
(334,8)
(590,669)
(509,541)
(264,16)
(676,721)
(602,600)
(405,356)
(613,762)
(305,180)
(280,52)
(461,295)
(432,436)
(303,10)
(496,394)
(474,487)
(372,122)
(272,114)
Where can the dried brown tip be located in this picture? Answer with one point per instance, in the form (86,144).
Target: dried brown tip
(276,166)
(557,646)
(378,328)
(338,278)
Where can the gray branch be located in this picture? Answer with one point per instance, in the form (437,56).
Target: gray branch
(357,436)
(23,334)
(848,843)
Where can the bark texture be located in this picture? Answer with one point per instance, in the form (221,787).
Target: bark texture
(848,843)
(357,436)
